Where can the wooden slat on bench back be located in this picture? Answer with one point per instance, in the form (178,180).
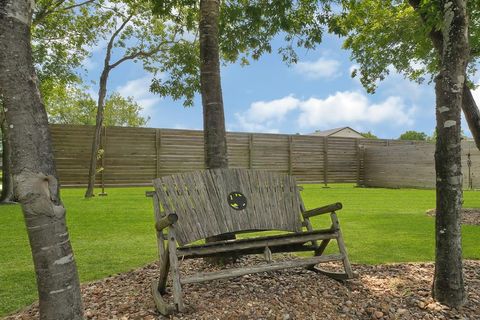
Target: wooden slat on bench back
(200,199)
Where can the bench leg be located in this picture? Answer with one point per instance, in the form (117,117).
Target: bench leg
(162,306)
(164,268)
(348,274)
(177,286)
(341,246)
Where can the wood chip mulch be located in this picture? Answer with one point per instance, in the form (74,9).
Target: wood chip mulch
(469,215)
(395,291)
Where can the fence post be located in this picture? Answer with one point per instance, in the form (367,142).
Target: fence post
(290,160)
(360,158)
(250,151)
(325,161)
(158,146)
(104,148)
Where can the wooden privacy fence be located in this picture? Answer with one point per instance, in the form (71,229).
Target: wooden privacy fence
(135,156)
(414,166)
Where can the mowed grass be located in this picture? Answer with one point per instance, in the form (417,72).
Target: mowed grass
(115,233)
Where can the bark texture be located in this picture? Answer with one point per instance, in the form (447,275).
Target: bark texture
(211,88)
(7,196)
(214,132)
(33,167)
(448,285)
(97,135)
(469,106)
(102,93)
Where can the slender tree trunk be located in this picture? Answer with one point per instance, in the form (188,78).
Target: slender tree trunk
(211,88)
(448,285)
(33,167)
(7,196)
(469,106)
(215,136)
(102,93)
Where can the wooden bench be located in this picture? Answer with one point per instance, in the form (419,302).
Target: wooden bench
(197,205)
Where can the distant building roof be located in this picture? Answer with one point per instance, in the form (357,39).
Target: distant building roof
(330,132)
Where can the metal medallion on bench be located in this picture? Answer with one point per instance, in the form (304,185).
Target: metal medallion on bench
(201,204)
(237,201)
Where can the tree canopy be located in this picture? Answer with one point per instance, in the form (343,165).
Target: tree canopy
(413,135)
(388,35)
(246,32)
(368,135)
(73,105)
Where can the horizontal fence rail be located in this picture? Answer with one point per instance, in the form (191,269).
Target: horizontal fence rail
(135,156)
(414,166)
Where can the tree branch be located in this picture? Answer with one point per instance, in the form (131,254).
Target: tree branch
(42,14)
(112,40)
(77,5)
(141,53)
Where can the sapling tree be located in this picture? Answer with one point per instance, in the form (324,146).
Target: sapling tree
(132,34)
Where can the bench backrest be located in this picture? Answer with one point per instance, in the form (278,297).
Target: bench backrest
(213,202)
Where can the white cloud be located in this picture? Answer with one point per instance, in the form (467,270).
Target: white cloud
(263,116)
(139,89)
(341,108)
(349,107)
(322,68)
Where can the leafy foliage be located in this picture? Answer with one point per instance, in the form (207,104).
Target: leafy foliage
(246,31)
(72,105)
(369,135)
(413,135)
(62,32)
(389,35)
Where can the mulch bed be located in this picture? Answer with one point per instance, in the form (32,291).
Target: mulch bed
(469,215)
(395,291)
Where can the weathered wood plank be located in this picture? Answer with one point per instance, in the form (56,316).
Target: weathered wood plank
(232,273)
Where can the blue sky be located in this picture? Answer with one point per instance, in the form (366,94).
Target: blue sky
(269,96)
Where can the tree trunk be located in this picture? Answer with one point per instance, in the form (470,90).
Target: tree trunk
(102,93)
(469,106)
(211,88)
(472,114)
(215,136)
(33,167)
(448,285)
(7,196)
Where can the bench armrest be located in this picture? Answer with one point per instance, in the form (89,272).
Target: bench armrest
(322,210)
(166,221)
(149,193)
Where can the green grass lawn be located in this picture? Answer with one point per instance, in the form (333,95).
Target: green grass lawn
(115,233)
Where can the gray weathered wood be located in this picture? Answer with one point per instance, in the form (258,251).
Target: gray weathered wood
(158,146)
(322,210)
(177,286)
(201,196)
(268,254)
(195,205)
(261,242)
(232,273)
(162,306)
(166,221)
(341,245)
